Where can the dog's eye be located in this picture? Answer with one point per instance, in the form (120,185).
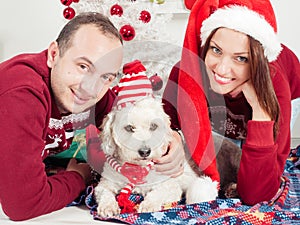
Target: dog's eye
(129,128)
(153,126)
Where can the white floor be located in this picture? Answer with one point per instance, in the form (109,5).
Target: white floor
(70,215)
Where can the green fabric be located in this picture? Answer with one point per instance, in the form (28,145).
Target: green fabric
(67,154)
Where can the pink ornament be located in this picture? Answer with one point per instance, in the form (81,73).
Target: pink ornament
(116,10)
(69,13)
(127,32)
(156,82)
(145,16)
(66,2)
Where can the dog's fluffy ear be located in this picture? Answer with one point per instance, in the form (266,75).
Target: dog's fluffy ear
(107,142)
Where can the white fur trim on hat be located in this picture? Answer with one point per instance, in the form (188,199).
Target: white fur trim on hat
(242,19)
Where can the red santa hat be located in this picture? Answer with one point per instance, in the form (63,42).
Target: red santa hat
(255,18)
(134,85)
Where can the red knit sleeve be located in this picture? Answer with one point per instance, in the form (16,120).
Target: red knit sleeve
(263,160)
(170,97)
(25,190)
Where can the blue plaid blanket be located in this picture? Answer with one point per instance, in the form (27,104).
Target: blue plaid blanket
(284,208)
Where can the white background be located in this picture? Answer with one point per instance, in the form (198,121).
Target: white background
(30,25)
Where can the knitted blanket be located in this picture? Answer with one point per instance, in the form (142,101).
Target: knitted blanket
(284,208)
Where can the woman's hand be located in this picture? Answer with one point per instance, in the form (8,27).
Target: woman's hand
(258,113)
(171,164)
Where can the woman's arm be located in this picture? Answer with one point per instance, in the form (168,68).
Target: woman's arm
(263,158)
(170,97)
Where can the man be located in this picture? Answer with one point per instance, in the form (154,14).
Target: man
(41,107)
(44,98)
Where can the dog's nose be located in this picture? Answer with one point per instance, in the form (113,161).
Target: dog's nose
(144,151)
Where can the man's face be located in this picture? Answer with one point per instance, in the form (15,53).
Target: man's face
(81,77)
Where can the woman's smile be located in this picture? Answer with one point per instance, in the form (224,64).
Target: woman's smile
(222,80)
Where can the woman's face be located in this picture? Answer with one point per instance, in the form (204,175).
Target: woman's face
(227,60)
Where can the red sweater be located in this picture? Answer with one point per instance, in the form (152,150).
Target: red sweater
(263,159)
(31,129)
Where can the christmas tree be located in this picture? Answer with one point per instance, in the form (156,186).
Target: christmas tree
(143,29)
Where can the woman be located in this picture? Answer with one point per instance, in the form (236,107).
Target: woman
(248,87)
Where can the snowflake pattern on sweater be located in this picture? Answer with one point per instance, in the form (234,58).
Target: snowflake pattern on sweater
(225,122)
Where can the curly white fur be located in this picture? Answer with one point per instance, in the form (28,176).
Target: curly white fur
(137,134)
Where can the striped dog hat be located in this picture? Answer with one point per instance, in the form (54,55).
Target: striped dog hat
(134,85)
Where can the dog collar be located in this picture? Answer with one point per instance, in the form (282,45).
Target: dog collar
(135,174)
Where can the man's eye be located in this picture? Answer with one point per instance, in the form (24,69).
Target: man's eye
(108,77)
(84,67)
(129,128)
(153,126)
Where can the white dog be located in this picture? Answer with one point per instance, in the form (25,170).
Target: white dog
(136,134)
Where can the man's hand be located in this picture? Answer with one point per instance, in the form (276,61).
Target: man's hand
(82,168)
(172,163)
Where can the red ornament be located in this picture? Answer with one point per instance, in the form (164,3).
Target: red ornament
(69,13)
(127,32)
(156,82)
(66,2)
(75,1)
(145,16)
(115,89)
(116,10)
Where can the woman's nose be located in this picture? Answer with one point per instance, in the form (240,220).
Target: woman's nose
(223,66)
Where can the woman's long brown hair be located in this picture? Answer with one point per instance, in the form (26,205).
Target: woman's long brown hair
(260,77)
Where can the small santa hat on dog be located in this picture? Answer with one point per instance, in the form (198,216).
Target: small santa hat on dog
(134,85)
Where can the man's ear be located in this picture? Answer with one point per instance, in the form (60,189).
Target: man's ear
(53,53)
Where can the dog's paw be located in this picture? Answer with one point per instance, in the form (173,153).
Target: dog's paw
(147,206)
(108,209)
(231,191)
(203,189)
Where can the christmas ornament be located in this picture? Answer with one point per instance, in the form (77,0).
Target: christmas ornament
(115,89)
(145,16)
(127,32)
(75,1)
(69,13)
(158,1)
(116,10)
(156,82)
(66,2)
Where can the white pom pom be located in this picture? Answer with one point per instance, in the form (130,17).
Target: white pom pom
(203,189)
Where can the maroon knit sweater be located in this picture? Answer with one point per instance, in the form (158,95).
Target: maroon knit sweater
(31,129)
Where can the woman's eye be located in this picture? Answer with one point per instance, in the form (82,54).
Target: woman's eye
(242,59)
(129,128)
(153,126)
(215,50)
